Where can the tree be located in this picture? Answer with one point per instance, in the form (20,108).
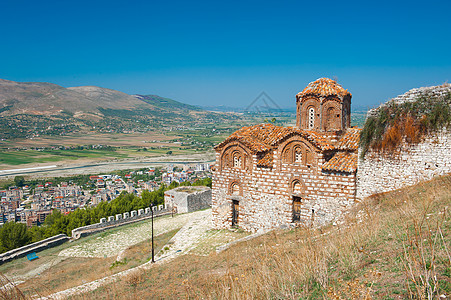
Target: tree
(19,181)
(13,235)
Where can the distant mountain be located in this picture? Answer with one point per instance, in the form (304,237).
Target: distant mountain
(40,98)
(166,102)
(29,109)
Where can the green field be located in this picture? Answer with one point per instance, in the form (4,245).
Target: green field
(34,156)
(15,158)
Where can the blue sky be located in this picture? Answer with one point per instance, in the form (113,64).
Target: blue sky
(227,53)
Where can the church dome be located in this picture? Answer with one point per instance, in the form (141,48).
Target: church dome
(324,87)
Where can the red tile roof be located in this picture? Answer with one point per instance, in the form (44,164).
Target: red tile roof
(342,162)
(350,140)
(266,160)
(324,87)
(264,137)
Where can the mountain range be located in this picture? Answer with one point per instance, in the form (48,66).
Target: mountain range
(37,108)
(39,98)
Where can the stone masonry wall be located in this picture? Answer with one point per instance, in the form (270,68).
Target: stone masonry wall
(378,173)
(119,220)
(34,247)
(188,199)
(199,200)
(266,195)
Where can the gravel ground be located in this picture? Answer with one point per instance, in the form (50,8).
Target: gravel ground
(113,243)
(196,236)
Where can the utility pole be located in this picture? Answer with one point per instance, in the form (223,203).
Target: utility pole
(153,253)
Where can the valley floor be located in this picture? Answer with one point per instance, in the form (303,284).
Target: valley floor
(94,166)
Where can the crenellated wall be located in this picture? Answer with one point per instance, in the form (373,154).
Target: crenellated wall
(378,173)
(119,220)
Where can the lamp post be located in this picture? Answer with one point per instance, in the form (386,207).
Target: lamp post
(153,253)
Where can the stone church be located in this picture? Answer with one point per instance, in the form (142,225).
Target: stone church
(267,176)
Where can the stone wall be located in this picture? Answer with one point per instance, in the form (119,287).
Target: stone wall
(35,247)
(379,173)
(437,92)
(266,195)
(188,198)
(119,220)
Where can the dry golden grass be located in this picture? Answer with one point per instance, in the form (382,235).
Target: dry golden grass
(9,290)
(367,258)
(392,246)
(77,271)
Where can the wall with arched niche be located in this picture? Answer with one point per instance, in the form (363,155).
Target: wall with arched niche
(297,187)
(310,114)
(236,156)
(332,116)
(297,151)
(235,188)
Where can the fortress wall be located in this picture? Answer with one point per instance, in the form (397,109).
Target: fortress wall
(378,173)
(114,222)
(188,199)
(34,247)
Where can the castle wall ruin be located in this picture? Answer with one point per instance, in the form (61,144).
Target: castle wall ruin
(379,173)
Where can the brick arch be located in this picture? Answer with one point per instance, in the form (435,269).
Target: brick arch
(331,116)
(286,151)
(306,105)
(226,158)
(297,187)
(235,188)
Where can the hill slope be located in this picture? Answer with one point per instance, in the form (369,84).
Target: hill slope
(30,109)
(39,98)
(380,252)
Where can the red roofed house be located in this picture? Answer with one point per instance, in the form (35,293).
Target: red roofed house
(267,176)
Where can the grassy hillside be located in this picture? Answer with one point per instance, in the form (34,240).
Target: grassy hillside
(393,246)
(166,102)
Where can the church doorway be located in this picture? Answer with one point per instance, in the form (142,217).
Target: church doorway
(297,203)
(235,212)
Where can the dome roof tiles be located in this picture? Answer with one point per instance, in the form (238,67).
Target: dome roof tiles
(324,87)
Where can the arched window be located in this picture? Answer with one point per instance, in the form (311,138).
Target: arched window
(297,155)
(297,188)
(235,189)
(311,118)
(236,161)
